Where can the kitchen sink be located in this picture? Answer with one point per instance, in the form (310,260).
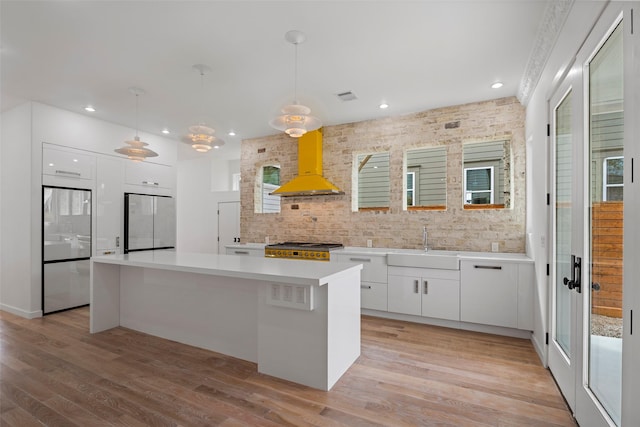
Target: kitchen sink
(444,260)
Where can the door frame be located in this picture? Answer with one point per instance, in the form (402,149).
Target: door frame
(586,408)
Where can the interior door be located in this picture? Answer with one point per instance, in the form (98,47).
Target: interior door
(587,153)
(228,224)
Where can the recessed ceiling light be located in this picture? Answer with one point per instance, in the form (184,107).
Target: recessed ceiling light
(496,85)
(90,109)
(231,133)
(384,105)
(50,164)
(75,160)
(166,131)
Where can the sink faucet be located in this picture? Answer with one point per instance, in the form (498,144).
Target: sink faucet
(424,238)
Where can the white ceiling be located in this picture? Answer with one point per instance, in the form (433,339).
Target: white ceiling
(414,55)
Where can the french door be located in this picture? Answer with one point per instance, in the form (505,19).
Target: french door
(587,223)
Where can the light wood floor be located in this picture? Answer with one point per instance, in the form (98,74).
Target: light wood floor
(53,372)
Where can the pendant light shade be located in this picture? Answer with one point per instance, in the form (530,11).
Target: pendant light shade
(295,120)
(201,136)
(135,149)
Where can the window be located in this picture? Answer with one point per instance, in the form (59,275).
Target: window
(478,186)
(270,183)
(411,188)
(612,179)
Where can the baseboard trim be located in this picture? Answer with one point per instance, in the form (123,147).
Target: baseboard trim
(541,350)
(20,312)
(487,329)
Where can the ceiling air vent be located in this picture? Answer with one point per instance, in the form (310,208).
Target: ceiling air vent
(347,96)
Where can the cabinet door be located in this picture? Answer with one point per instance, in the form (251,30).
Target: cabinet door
(441,298)
(150,175)
(67,164)
(489,293)
(108,205)
(373,296)
(404,295)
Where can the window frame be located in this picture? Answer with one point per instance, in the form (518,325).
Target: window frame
(605,184)
(491,189)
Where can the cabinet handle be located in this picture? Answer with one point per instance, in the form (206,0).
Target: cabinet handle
(426,287)
(108,252)
(360,259)
(417,286)
(68,173)
(150,183)
(489,267)
(241,252)
(365,286)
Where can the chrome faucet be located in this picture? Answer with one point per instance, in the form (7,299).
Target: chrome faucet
(424,238)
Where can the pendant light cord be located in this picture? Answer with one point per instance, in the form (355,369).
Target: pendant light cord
(295,75)
(137,114)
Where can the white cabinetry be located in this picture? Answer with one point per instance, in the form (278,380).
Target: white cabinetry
(424,292)
(149,178)
(108,206)
(498,293)
(373,277)
(67,164)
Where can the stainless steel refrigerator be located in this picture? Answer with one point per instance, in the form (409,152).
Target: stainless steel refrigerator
(149,222)
(66,247)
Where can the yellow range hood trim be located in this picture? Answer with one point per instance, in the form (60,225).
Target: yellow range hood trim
(309,181)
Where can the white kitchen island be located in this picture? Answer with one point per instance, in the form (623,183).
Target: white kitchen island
(298,320)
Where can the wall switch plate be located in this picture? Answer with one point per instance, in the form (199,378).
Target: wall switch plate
(369,243)
(494,247)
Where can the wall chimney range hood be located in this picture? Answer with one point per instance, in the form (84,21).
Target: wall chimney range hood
(309,181)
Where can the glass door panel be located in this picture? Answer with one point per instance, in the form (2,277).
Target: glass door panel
(563,223)
(606,145)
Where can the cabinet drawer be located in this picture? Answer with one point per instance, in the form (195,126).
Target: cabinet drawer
(374,268)
(66,164)
(149,175)
(373,296)
(258,252)
(489,293)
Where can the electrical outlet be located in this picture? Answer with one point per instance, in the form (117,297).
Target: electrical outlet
(369,243)
(494,247)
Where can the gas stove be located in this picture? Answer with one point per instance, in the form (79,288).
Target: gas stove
(301,250)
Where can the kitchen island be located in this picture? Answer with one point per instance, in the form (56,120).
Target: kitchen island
(298,320)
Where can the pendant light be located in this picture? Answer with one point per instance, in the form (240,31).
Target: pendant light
(135,150)
(201,136)
(295,120)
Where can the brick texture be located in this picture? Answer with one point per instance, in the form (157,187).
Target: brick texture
(332,219)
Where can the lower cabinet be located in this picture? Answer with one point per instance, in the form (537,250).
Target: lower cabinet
(373,296)
(497,293)
(424,292)
(373,284)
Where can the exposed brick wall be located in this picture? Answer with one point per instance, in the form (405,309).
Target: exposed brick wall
(330,218)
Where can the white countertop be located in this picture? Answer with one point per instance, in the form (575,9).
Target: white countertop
(488,256)
(254,268)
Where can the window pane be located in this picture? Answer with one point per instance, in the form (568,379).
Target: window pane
(481,198)
(479,179)
(614,171)
(614,194)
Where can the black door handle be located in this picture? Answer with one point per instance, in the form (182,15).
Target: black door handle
(595,286)
(576,274)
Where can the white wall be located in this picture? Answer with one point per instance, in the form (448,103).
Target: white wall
(578,25)
(24,130)
(202,183)
(16,193)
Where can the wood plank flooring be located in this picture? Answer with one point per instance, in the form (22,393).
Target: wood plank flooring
(53,372)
